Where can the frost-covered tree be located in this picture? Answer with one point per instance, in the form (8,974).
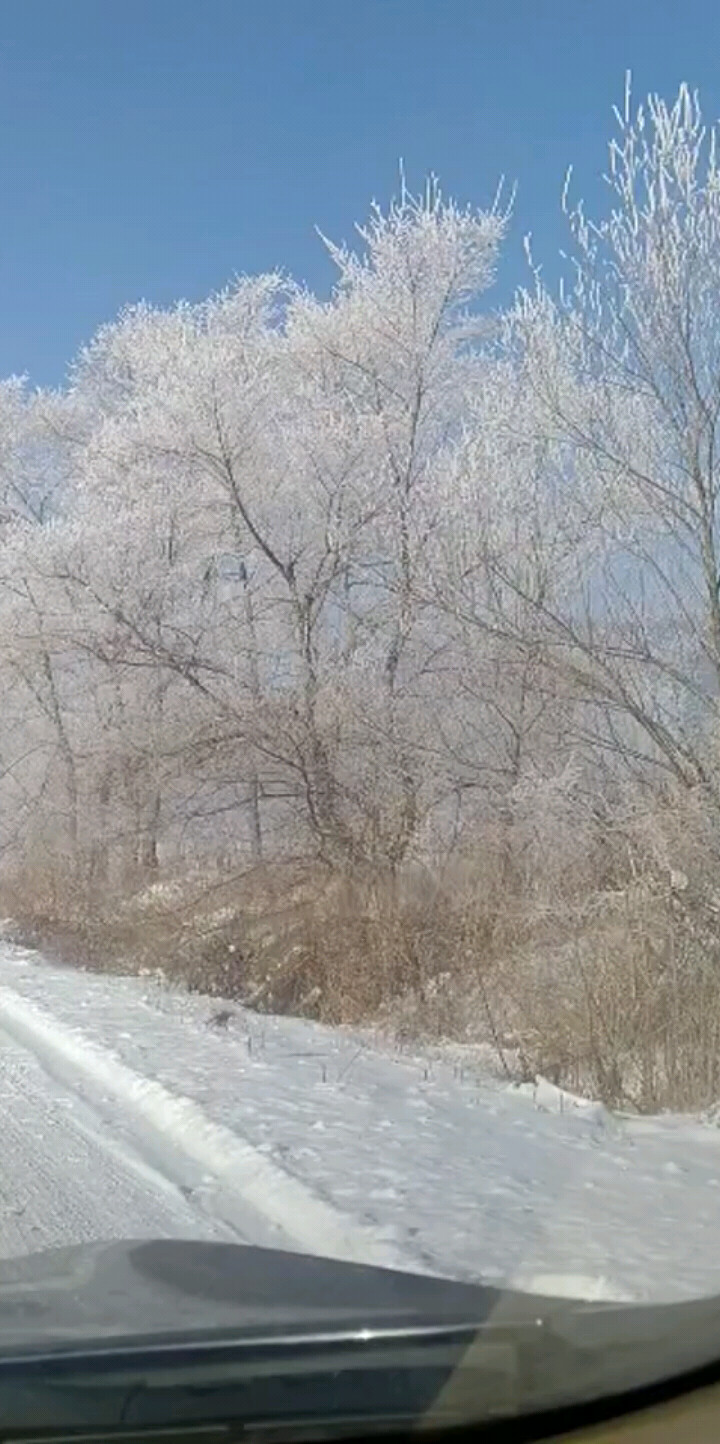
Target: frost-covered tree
(611,454)
(253,481)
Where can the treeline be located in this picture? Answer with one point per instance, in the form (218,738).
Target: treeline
(397,618)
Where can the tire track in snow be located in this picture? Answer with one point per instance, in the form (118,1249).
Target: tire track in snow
(62,1179)
(239,1187)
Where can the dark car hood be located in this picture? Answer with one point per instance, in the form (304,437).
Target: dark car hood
(140,1307)
(169,1287)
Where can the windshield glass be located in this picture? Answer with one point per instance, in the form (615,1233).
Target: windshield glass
(360,664)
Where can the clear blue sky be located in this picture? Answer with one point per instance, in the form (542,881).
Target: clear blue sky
(154,148)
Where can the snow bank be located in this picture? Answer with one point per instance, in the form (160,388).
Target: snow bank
(372,1154)
(552,1099)
(306,1221)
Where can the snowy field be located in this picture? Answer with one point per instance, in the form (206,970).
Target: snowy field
(131,1109)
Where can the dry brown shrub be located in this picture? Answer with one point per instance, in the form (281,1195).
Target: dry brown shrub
(606,981)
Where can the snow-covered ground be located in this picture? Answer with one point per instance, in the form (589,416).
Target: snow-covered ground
(64,1180)
(146,1113)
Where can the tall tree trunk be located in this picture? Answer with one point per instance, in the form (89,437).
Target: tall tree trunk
(256,838)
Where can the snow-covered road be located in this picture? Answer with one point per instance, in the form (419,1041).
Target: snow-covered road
(67,1175)
(129,1108)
